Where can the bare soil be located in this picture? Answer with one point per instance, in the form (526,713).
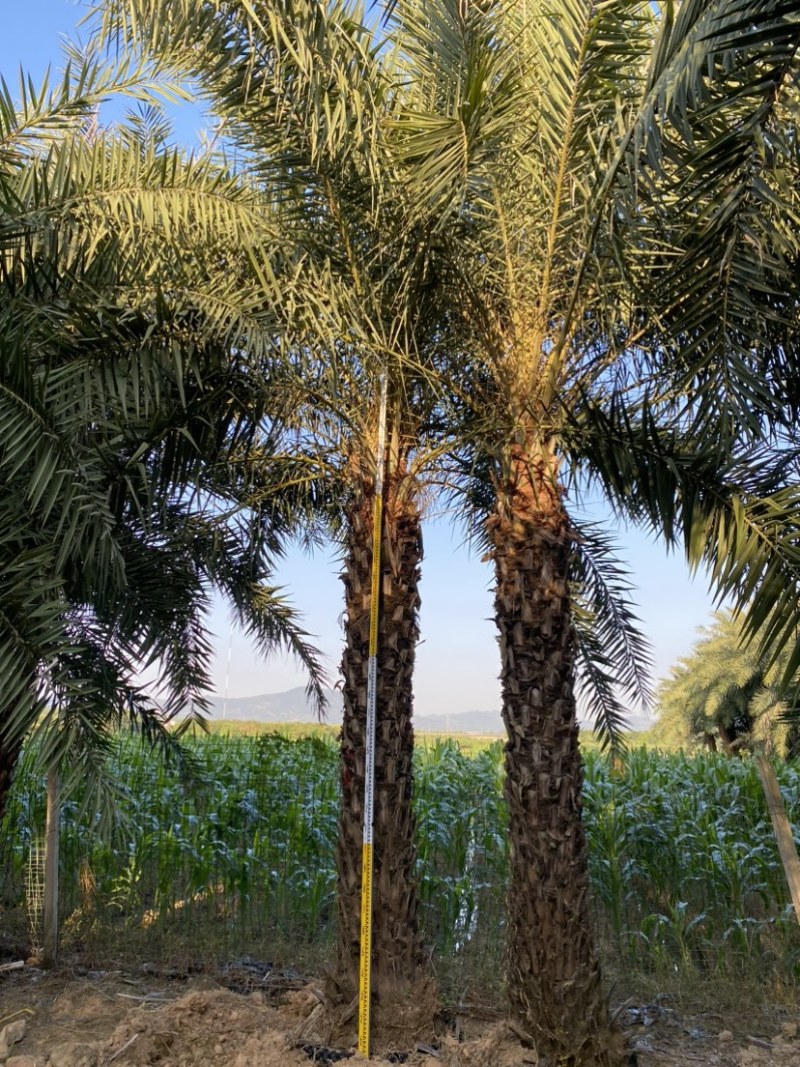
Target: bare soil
(248,1015)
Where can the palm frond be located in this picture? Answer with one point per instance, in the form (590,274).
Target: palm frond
(602,590)
(733,512)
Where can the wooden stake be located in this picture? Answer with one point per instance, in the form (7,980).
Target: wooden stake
(50,934)
(782,828)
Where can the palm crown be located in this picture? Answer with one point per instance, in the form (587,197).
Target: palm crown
(129,417)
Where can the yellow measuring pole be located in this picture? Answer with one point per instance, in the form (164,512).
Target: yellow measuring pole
(365,967)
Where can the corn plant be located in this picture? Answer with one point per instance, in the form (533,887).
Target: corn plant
(685,872)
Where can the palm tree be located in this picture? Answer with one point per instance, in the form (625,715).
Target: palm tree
(548,132)
(386,250)
(301,94)
(725,688)
(129,420)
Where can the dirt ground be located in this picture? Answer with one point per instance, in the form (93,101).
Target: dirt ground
(249,1015)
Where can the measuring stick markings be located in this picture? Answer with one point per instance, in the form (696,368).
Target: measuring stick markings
(365,961)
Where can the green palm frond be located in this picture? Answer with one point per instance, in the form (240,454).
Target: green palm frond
(717,205)
(733,513)
(136,333)
(614,660)
(36,116)
(283,80)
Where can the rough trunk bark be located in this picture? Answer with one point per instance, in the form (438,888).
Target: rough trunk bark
(9,756)
(553,975)
(793,741)
(727,738)
(397,954)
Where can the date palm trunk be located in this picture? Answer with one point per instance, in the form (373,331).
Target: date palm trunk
(553,976)
(397,960)
(9,757)
(793,741)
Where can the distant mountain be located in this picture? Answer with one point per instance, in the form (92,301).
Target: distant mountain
(636,722)
(464,722)
(293,705)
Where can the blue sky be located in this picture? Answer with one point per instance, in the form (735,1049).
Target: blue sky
(457,660)
(457,663)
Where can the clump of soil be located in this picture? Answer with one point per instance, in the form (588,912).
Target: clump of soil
(498,1046)
(115,1019)
(200,1029)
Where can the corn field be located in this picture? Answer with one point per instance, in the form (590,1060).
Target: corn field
(238,857)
